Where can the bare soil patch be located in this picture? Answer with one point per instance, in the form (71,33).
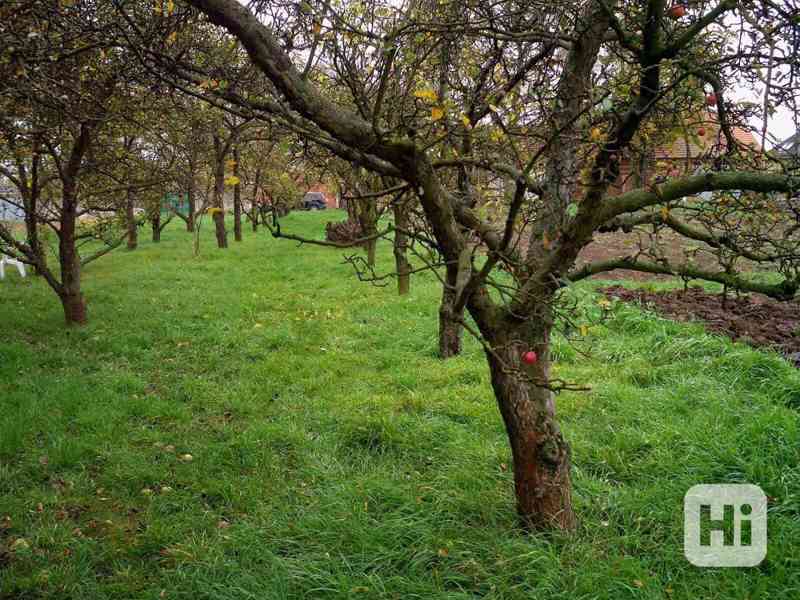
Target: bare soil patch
(673,247)
(753,319)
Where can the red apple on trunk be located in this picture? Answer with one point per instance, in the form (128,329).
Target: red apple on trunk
(711,99)
(701,132)
(529,357)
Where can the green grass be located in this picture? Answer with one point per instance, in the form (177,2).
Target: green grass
(342,458)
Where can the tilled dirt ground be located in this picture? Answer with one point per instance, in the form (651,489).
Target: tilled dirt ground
(674,248)
(753,319)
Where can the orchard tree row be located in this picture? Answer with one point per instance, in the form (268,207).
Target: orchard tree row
(94,144)
(500,137)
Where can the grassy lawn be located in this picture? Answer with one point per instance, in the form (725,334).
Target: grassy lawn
(256,423)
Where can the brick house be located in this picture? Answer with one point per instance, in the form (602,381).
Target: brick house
(681,156)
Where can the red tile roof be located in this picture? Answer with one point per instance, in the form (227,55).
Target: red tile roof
(713,143)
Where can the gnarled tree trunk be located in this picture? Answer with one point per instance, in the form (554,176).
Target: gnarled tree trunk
(32,235)
(190,201)
(540,453)
(219,191)
(69,291)
(130,220)
(450,328)
(155,221)
(368,219)
(32,232)
(237,198)
(74,307)
(402,266)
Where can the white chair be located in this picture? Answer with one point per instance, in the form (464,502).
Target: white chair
(7,260)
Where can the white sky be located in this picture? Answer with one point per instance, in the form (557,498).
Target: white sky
(779,127)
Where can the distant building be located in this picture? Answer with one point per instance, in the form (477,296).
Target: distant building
(790,147)
(683,155)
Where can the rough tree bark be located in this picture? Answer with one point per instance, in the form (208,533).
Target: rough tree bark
(130,219)
(32,236)
(541,455)
(69,291)
(190,200)
(450,318)
(155,221)
(220,151)
(30,196)
(255,212)
(237,198)
(402,266)
(368,219)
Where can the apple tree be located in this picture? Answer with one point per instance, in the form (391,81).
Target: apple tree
(510,123)
(67,90)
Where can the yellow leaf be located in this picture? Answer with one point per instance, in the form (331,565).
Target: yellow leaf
(232,180)
(20,544)
(427,94)
(584,330)
(595,134)
(437,112)
(171,38)
(664,213)
(316,28)
(466,121)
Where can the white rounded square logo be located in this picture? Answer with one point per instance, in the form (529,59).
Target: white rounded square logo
(725,525)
